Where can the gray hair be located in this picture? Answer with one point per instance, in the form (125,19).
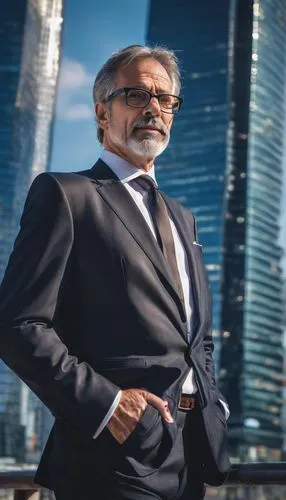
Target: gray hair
(105,80)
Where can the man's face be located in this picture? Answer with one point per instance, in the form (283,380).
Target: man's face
(137,134)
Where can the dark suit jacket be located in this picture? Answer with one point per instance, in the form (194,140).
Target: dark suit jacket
(88,306)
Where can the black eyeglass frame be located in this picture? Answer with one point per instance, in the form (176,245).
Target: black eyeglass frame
(125,90)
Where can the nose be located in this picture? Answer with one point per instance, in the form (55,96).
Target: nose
(153,107)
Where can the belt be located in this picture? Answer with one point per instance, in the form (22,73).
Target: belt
(187,402)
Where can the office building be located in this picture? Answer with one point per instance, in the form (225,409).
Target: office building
(225,163)
(30,41)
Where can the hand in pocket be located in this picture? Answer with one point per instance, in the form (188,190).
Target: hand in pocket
(133,403)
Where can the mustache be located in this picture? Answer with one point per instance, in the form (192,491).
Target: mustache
(153,122)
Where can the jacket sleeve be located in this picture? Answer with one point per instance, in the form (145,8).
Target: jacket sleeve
(208,338)
(29,295)
(209,347)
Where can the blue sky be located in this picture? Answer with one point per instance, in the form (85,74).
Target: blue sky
(92,31)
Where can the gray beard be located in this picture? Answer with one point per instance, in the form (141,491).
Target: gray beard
(147,147)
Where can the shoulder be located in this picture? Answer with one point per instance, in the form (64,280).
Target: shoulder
(65,192)
(52,189)
(59,184)
(63,179)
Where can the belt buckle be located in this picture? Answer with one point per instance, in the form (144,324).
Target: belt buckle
(186,403)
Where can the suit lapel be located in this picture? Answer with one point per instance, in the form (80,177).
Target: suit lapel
(183,230)
(115,194)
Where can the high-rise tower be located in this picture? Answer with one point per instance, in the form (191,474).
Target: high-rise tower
(225,163)
(30,38)
(30,41)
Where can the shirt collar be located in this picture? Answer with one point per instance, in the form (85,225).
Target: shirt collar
(124,170)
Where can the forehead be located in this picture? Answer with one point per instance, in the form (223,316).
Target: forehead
(146,72)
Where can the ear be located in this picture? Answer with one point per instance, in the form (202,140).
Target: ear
(102,115)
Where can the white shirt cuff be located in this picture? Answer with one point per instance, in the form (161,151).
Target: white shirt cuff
(226,409)
(108,415)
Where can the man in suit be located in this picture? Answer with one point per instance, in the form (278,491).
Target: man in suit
(105,308)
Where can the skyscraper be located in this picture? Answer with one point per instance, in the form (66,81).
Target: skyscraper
(29,60)
(30,40)
(225,163)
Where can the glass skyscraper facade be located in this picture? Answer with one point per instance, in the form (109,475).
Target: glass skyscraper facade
(252,346)
(225,163)
(30,40)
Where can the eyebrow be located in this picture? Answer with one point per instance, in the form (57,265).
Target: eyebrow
(142,87)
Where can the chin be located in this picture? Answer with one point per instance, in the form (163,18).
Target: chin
(147,148)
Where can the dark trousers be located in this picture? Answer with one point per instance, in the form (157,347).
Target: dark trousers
(179,477)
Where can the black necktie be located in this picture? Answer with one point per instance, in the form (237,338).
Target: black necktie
(160,217)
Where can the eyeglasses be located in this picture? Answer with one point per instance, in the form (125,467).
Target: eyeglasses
(140,98)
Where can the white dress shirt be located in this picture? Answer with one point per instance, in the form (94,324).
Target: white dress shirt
(127,173)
